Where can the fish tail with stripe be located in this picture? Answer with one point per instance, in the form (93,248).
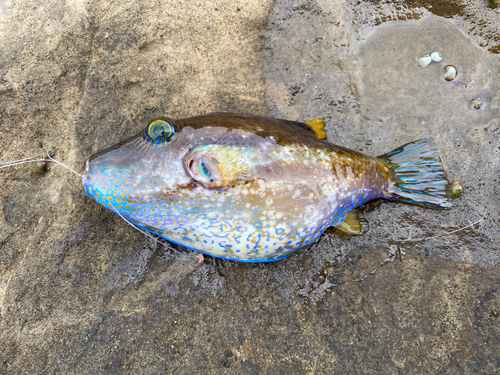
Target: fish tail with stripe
(418,176)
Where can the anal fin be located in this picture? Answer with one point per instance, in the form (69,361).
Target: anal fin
(318,126)
(354,224)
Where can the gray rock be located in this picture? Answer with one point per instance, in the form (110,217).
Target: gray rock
(82,292)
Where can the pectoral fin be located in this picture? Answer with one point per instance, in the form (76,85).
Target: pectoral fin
(318,126)
(354,224)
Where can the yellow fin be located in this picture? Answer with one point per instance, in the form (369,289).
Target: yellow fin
(318,126)
(354,223)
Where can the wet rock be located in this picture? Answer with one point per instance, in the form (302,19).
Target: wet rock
(82,291)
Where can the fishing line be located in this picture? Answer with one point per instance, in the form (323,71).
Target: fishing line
(156,240)
(16,161)
(440,235)
(32,159)
(64,165)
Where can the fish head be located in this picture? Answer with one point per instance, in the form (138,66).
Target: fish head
(168,157)
(149,164)
(215,183)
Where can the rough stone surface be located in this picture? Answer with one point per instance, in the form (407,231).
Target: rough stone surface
(83,292)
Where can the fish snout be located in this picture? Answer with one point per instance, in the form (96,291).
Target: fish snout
(85,177)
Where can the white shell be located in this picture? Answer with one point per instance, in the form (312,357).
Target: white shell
(450,72)
(436,56)
(424,61)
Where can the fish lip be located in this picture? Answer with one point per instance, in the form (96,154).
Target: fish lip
(85,177)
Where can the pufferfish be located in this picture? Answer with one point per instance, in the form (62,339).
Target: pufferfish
(253,189)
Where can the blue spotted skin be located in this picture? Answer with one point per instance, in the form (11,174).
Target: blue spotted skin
(244,188)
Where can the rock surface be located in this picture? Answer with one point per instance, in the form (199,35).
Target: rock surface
(83,292)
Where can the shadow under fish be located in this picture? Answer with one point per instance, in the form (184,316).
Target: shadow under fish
(253,189)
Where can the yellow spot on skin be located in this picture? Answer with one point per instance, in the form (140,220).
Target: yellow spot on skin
(118,200)
(123,195)
(91,191)
(98,194)
(115,194)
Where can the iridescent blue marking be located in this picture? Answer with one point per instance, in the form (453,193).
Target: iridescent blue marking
(257,244)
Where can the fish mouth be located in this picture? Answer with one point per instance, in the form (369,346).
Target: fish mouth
(85,176)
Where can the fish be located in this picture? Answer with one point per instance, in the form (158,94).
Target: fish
(253,189)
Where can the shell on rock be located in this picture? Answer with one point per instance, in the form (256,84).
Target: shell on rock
(477,103)
(436,57)
(450,72)
(455,189)
(424,61)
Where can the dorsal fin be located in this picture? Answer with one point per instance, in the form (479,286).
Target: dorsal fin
(318,126)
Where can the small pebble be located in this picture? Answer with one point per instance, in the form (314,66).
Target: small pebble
(201,258)
(38,167)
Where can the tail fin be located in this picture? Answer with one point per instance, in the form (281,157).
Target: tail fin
(419,177)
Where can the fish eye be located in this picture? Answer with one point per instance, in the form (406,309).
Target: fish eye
(160,130)
(205,170)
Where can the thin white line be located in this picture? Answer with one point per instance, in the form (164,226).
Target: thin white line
(22,162)
(15,161)
(65,166)
(136,227)
(440,235)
